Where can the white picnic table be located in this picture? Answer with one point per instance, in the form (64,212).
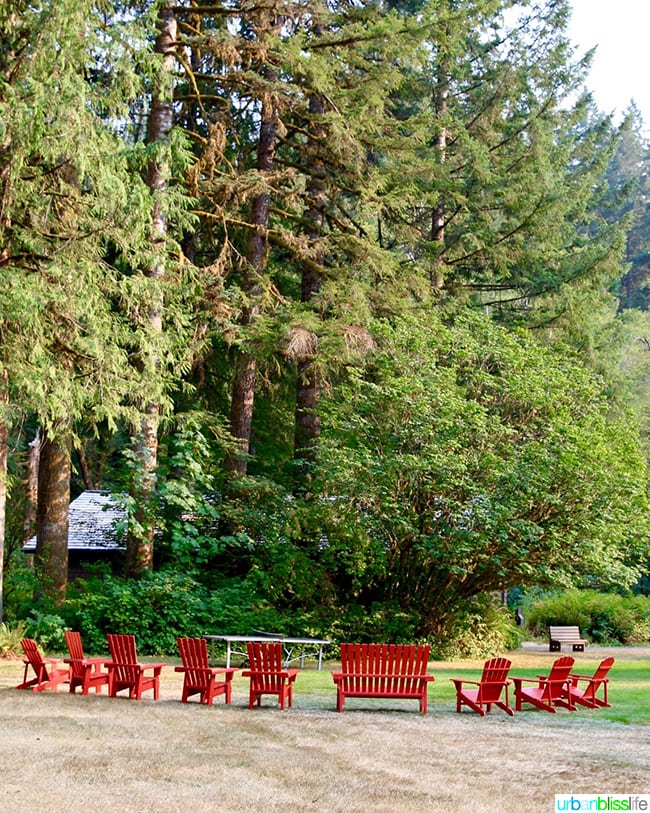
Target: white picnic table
(294,649)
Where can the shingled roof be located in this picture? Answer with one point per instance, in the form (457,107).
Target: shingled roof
(93,516)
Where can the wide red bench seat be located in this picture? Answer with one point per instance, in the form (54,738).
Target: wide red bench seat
(383,670)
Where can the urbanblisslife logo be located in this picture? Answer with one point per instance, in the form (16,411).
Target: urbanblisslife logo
(602,802)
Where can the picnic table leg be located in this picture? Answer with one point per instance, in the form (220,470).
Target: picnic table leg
(227,654)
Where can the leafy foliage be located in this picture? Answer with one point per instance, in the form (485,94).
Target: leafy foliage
(604,618)
(156,609)
(354,194)
(10,638)
(472,460)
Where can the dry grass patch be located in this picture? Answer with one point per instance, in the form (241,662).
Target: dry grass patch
(116,754)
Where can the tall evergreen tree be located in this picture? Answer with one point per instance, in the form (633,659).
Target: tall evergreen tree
(140,537)
(67,193)
(628,175)
(288,104)
(498,193)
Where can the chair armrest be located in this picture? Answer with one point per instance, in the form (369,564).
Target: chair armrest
(229,672)
(86,661)
(140,666)
(288,673)
(520,680)
(575,679)
(155,666)
(458,682)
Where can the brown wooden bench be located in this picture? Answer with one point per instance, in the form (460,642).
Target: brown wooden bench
(383,670)
(565,635)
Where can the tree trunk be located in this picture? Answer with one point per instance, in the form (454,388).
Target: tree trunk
(140,536)
(308,384)
(53,514)
(4,443)
(29,522)
(440,95)
(243,389)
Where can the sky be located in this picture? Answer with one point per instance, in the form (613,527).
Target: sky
(620,69)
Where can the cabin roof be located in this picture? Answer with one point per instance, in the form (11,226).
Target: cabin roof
(93,516)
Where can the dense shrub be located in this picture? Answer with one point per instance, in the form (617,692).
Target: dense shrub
(156,609)
(162,606)
(483,630)
(10,638)
(46,628)
(603,618)
(382,622)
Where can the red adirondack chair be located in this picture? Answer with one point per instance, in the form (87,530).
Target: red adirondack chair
(124,671)
(200,678)
(549,691)
(267,674)
(84,672)
(492,686)
(587,696)
(49,671)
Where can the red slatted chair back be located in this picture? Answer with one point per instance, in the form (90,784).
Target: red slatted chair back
(34,657)
(265,660)
(75,649)
(124,656)
(557,677)
(33,654)
(601,672)
(598,679)
(73,642)
(493,679)
(194,654)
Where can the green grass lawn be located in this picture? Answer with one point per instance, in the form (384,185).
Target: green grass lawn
(629,686)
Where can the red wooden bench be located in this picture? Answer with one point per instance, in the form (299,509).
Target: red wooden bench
(383,670)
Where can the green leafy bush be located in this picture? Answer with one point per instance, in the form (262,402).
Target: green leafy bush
(162,606)
(10,638)
(603,618)
(157,609)
(483,630)
(46,628)
(382,623)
